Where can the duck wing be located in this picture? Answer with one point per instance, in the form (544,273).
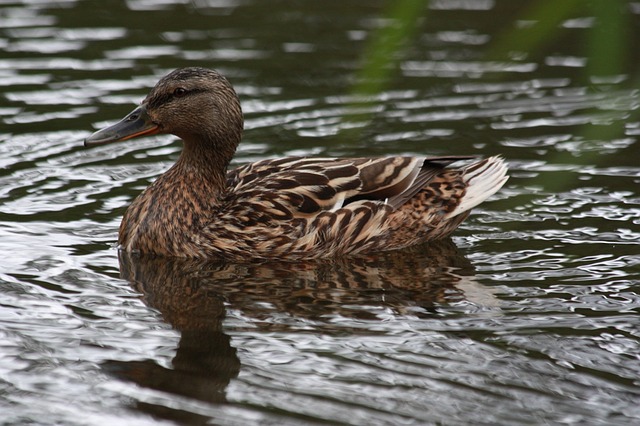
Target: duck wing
(312,185)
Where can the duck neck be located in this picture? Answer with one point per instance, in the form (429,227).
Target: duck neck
(204,165)
(179,203)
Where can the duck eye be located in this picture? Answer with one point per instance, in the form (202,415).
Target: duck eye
(180,91)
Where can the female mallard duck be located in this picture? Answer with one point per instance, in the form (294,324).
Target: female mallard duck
(287,208)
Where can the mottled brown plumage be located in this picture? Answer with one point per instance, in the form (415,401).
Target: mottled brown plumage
(288,208)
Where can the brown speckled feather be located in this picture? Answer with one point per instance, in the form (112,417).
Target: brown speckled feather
(301,208)
(287,208)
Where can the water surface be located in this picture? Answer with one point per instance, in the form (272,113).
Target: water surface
(528,315)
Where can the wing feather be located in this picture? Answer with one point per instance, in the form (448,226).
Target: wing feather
(313,185)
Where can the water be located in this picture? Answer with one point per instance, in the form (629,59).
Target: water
(528,315)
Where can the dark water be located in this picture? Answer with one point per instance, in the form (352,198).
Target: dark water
(529,315)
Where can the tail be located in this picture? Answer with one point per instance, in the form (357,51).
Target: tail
(483,179)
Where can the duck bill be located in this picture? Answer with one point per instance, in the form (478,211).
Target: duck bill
(136,123)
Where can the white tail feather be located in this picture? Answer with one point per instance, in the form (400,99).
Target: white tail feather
(484,179)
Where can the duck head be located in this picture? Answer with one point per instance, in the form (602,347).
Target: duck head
(196,104)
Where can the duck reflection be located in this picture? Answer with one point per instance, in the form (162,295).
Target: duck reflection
(192,296)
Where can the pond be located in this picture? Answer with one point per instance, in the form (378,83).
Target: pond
(528,314)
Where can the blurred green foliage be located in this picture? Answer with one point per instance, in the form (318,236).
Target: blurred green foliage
(380,62)
(386,46)
(532,34)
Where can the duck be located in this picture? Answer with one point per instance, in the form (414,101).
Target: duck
(292,208)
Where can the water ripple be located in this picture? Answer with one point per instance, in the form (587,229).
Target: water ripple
(528,316)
